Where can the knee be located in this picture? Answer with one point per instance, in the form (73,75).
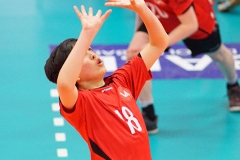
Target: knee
(221,55)
(132,52)
(217,57)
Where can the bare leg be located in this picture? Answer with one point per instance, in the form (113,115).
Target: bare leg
(225,61)
(146,93)
(139,40)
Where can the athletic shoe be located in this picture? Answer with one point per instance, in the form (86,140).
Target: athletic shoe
(151,125)
(234,99)
(227,5)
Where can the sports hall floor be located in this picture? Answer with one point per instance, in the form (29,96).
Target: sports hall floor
(194,121)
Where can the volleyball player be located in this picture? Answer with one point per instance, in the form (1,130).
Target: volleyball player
(104,110)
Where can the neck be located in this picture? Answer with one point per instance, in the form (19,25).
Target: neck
(91,84)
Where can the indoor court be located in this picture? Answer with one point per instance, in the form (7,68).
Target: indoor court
(189,93)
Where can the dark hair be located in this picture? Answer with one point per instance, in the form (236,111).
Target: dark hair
(57,58)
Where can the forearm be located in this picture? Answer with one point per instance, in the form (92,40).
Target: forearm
(180,33)
(71,69)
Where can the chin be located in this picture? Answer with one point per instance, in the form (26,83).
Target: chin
(103,73)
(104,70)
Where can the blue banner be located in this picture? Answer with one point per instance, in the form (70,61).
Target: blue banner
(176,63)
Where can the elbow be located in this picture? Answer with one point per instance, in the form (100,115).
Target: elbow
(165,42)
(194,27)
(63,86)
(162,44)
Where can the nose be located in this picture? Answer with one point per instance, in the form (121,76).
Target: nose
(92,56)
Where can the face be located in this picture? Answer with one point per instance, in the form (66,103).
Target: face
(92,68)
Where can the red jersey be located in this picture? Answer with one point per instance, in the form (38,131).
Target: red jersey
(168,10)
(108,118)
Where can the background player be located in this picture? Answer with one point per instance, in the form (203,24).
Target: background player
(194,23)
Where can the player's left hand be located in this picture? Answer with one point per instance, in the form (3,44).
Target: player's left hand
(130,4)
(90,21)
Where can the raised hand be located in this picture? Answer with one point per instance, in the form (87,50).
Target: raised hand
(130,4)
(89,21)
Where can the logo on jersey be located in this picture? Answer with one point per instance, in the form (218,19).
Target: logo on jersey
(124,93)
(155,9)
(107,89)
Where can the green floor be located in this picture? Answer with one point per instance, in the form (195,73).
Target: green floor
(194,121)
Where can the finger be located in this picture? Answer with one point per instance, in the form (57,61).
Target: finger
(79,14)
(117,3)
(83,10)
(99,13)
(90,11)
(112,2)
(132,1)
(106,14)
